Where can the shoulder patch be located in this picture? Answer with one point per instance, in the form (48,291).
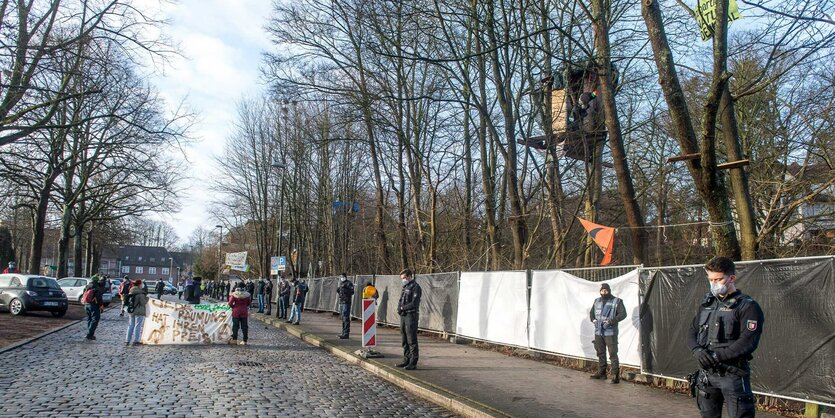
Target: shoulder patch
(752,325)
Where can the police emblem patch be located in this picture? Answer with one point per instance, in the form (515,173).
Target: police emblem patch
(752,325)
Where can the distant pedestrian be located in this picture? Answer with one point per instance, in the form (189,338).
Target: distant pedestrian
(239,301)
(160,288)
(409,310)
(180,290)
(228,287)
(606,312)
(298,301)
(124,288)
(268,296)
(93,300)
(345,291)
(284,291)
(136,302)
(260,295)
(12,268)
(250,287)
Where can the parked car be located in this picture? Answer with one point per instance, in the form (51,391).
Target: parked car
(74,287)
(114,286)
(20,293)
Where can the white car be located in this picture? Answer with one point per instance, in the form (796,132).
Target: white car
(74,288)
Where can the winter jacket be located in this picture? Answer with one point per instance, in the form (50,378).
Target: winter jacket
(345,292)
(268,290)
(239,301)
(141,300)
(98,294)
(301,292)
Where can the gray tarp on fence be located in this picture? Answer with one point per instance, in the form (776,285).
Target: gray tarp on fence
(314,288)
(327,299)
(797,347)
(389,288)
(438,305)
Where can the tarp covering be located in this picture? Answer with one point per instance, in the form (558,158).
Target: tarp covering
(328,297)
(439,302)
(797,349)
(389,288)
(493,306)
(560,305)
(314,289)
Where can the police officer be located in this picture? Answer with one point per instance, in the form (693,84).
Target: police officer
(605,314)
(346,296)
(723,335)
(408,308)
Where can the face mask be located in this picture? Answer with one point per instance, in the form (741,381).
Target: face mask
(341,279)
(405,281)
(718,289)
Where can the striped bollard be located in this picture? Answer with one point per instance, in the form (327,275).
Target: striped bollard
(369,328)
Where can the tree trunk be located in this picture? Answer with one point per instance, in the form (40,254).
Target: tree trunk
(39,222)
(78,250)
(606,84)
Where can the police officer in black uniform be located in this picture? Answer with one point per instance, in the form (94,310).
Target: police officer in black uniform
(723,335)
(408,308)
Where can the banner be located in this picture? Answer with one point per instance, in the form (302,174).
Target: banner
(603,236)
(177,323)
(706,16)
(560,305)
(236,259)
(493,306)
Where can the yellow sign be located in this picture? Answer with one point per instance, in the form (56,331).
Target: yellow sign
(706,16)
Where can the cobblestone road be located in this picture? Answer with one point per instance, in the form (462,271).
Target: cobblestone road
(65,375)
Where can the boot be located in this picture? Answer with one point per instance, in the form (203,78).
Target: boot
(601,373)
(615,375)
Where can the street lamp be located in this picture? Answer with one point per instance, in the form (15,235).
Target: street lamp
(278,165)
(170,267)
(220,251)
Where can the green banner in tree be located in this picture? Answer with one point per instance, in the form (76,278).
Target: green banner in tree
(706,16)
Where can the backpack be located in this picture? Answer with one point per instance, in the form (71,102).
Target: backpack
(88,297)
(131,303)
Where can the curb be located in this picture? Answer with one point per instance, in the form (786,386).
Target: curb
(41,335)
(452,401)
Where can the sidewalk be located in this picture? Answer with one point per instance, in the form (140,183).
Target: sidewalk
(490,383)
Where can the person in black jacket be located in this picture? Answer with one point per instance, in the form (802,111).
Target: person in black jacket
(284,290)
(160,288)
(409,310)
(250,287)
(346,296)
(722,337)
(260,295)
(268,295)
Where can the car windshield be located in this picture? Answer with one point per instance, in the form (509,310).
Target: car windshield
(43,282)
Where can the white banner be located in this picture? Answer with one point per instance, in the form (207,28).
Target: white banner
(492,306)
(560,305)
(236,259)
(177,323)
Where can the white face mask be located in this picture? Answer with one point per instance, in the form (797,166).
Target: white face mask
(405,281)
(341,279)
(718,289)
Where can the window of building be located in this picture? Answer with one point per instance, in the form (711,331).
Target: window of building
(152,270)
(125,269)
(140,258)
(139,269)
(165,271)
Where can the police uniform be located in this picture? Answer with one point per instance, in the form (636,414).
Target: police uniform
(605,313)
(408,308)
(723,335)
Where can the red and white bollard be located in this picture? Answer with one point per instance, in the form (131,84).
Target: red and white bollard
(369,328)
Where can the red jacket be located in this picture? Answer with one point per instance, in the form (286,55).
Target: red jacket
(239,301)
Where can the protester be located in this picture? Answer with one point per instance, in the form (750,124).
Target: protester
(268,296)
(298,301)
(93,300)
(12,268)
(284,298)
(198,291)
(260,295)
(136,302)
(180,290)
(722,337)
(345,291)
(160,288)
(239,302)
(409,310)
(124,288)
(605,314)
(228,288)
(250,287)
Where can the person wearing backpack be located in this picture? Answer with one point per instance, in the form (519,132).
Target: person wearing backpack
(136,302)
(124,288)
(93,300)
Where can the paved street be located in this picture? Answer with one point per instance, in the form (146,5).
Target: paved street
(65,375)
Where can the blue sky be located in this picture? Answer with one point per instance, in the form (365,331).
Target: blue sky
(221,42)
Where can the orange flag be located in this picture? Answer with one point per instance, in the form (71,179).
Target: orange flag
(603,236)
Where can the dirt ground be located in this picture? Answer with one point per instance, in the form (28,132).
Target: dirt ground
(16,328)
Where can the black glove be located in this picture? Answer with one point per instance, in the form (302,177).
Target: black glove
(705,358)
